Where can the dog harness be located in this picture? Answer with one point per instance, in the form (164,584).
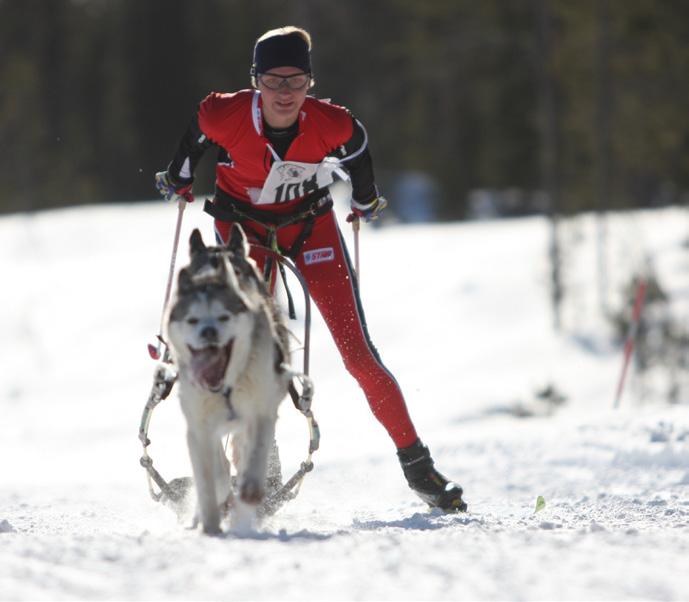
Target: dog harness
(225,209)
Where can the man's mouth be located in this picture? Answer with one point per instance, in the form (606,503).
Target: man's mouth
(209,365)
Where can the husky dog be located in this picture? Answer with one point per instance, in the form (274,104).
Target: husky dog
(229,344)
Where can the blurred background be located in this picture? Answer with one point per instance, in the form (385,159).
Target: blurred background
(474,109)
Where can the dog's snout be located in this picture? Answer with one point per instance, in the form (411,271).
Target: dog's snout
(209,333)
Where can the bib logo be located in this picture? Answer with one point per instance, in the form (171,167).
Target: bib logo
(319,255)
(290,173)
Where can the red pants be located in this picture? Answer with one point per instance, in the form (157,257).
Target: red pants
(325,265)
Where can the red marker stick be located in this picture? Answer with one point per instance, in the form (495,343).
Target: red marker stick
(631,337)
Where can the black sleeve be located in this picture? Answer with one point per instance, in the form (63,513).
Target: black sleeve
(360,165)
(189,152)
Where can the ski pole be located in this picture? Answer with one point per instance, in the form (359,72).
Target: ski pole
(356,226)
(631,337)
(154,350)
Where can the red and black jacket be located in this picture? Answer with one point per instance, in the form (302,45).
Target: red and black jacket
(247,147)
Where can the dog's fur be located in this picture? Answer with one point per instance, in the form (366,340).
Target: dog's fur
(229,344)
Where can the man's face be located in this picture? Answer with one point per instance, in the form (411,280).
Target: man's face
(283,91)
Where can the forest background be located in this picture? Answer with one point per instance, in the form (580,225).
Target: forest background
(539,105)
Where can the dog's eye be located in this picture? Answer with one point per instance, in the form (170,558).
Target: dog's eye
(223,318)
(192,321)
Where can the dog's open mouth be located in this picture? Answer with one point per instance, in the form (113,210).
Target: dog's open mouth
(209,365)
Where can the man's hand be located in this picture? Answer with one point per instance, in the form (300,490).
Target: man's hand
(367,211)
(170,191)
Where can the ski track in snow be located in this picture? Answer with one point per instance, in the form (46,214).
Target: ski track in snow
(467,335)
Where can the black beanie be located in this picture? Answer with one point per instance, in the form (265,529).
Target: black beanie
(282,50)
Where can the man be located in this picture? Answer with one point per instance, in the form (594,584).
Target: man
(278,149)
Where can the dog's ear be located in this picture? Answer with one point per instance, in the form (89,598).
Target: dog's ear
(196,244)
(239,245)
(184,281)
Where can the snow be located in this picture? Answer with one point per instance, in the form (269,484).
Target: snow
(461,316)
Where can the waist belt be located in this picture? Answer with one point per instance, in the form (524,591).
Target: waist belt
(228,209)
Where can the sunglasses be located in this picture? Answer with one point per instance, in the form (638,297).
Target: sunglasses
(293,82)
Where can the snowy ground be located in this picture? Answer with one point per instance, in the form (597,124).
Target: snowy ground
(460,314)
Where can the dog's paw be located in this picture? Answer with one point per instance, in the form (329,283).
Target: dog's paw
(212,528)
(251,492)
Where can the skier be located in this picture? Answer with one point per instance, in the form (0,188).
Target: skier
(277,150)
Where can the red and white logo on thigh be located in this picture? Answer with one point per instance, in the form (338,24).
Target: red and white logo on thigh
(319,255)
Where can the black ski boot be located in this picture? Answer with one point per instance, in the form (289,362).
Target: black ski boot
(432,487)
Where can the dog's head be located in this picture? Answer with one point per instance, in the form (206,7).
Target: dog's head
(210,311)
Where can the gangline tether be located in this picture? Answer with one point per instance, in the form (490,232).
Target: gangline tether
(164,378)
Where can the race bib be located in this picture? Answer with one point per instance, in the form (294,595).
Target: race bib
(289,180)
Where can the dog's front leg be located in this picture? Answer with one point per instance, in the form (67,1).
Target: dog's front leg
(223,484)
(252,486)
(201,453)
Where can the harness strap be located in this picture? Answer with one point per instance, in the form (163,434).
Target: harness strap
(228,209)
(292,312)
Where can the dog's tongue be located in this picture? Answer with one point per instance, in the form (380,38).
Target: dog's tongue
(209,366)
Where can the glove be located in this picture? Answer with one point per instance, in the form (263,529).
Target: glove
(170,191)
(367,211)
